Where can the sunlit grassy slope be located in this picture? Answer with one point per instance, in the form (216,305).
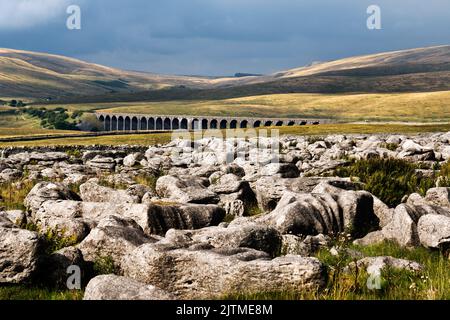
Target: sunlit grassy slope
(21,125)
(426,107)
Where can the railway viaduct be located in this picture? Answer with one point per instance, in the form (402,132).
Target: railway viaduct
(142,122)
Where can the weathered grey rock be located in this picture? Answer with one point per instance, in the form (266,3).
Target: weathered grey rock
(92,192)
(113,238)
(403,227)
(284,170)
(312,214)
(235,195)
(120,179)
(434,231)
(445,153)
(138,191)
(395,139)
(234,169)
(132,159)
(72,230)
(16,216)
(45,191)
(5,222)
(19,254)
(248,235)
(357,210)
(439,197)
(425,207)
(185,190)
(54,270)
(8,175)
(161,217)
(208,274)
(414,151)
(371,238)
(112,287)
(382,211)
(26,157)
(233,207)
(269,190)
(308,246)
(75,179)
(102,163)
(154,218)
(91,154)
(338,251)
(374,265)
(228,183)
(412,147)
(51,173)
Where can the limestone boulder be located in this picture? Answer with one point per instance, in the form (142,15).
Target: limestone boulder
(54,268)
(19,254)
(45,191)
(439,197)
(246,235)
(403,227)
(186,190)
(18,217)
(164,216)
(284,170)
(375,265)
(112,287)
(113,238)
(133,159)
(434,231)
(209,274)
(93,192)
(323,213)
(292,244)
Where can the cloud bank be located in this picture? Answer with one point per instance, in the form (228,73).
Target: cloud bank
(221,37)
(20,14)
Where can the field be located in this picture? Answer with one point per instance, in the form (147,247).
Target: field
(417,107)
(161,138)
(12,125)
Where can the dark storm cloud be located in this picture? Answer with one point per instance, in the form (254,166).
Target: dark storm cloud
(219,37)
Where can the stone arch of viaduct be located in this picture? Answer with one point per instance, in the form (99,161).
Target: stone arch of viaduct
(141,122)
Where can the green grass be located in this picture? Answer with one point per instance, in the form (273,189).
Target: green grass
(419,107)
(12,194)
(105,265)
(388,179)
(149,180)
(12,125)
(138,139)
(21,292)
(432,283)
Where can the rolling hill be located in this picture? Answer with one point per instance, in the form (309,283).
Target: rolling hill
(39,75)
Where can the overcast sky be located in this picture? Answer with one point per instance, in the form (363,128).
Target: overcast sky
(220,37)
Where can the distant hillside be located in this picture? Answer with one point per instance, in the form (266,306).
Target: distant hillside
(39,75)
(429,59)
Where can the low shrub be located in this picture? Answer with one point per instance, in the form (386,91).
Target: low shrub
(388,179)
(105,265)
